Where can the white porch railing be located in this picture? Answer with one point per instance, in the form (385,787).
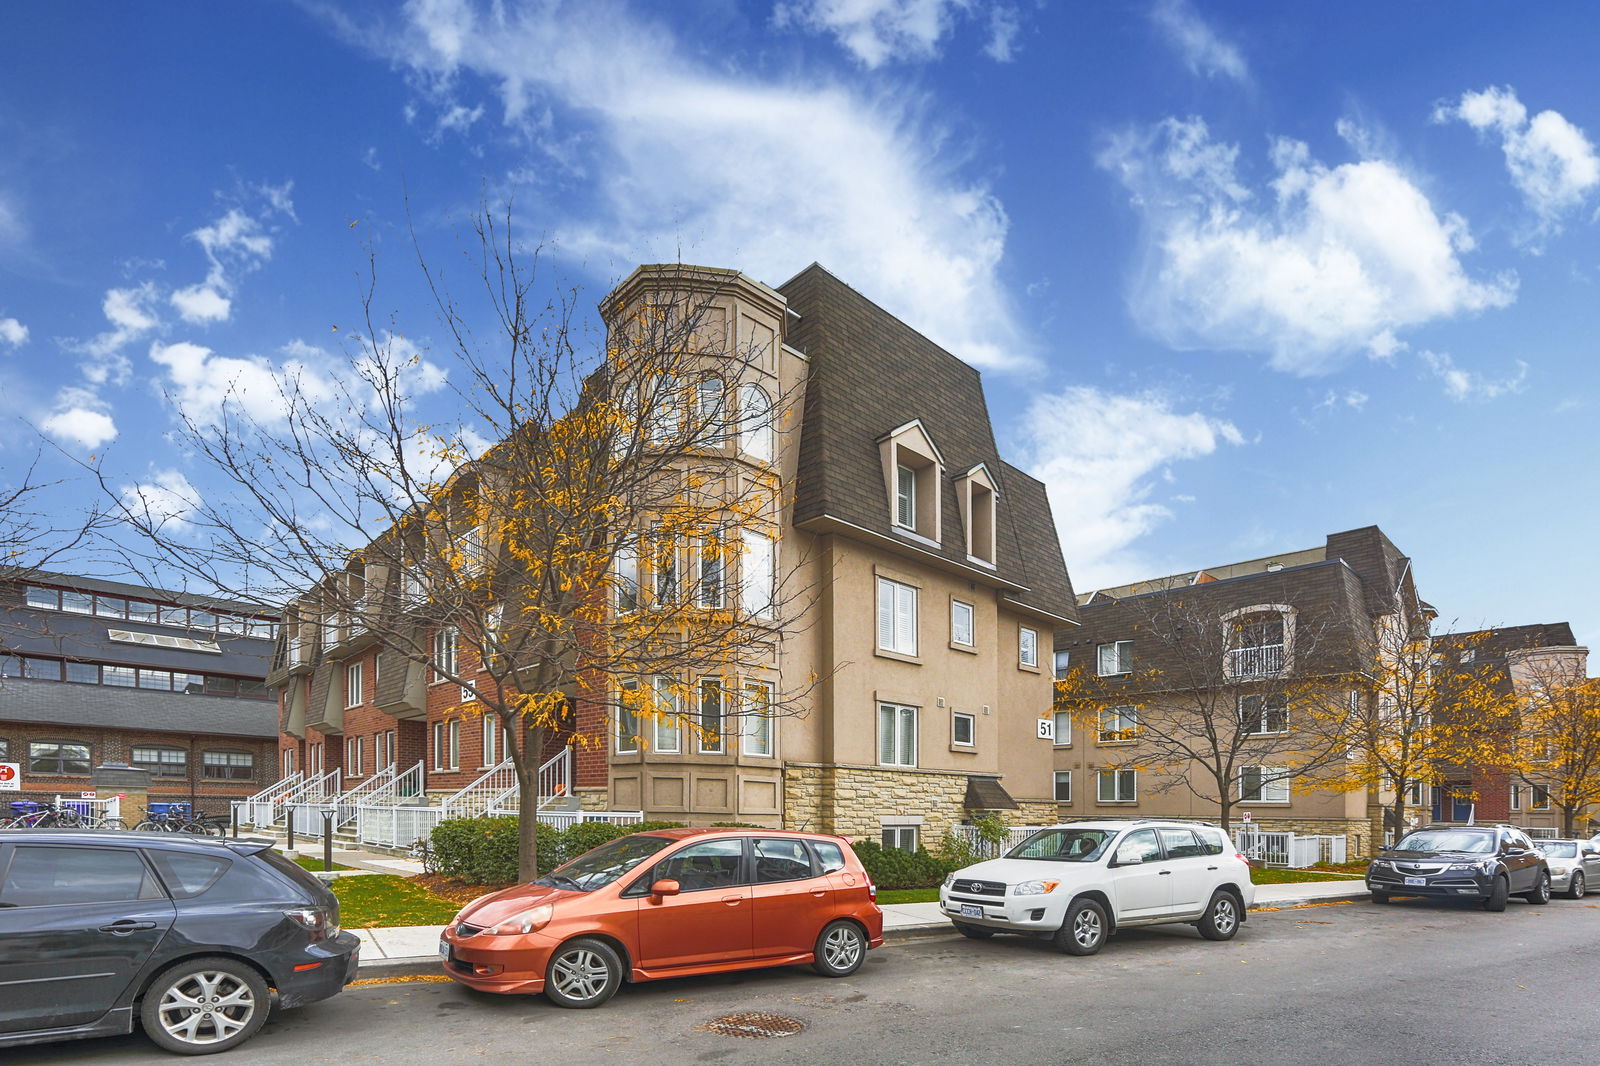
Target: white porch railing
(259,809)
(1293,850)
(1262,660)
(346,802)
(1015,834)
(566,819)
(555,778)
(307,802)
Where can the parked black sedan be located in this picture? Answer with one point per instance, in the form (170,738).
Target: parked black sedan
(1482,862)
(187,934)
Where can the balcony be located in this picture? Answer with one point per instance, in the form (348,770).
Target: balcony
(1261,660)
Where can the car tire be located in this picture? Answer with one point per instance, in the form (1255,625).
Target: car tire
(1577,888)
(1221,920)
(1498,895)
(1540,894)
(841,949)
(582,973)
(1084,931)
(205,1005)
(1380,897)
(973,932)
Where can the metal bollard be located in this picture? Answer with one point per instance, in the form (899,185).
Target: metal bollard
(289,844)
(235,819)
(327,840)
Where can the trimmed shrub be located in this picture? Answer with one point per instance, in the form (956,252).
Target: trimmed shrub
(484,850)
(894,868)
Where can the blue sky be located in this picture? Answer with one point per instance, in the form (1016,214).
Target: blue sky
(1239,275)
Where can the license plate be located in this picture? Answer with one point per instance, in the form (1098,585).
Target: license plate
(1416,880)
(444,951)
(970,911)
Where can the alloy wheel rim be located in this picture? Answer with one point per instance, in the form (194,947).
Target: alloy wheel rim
(1544,887)
(842,949)
(581,974)
(1579,889)
(1222,917)
(1086,929)
(206,1007)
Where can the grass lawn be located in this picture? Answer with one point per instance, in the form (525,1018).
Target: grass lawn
(1275,876)
(384,899)
(315,865)
(908,895)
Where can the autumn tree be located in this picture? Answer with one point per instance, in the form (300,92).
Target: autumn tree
(1204,696)
(1558,733)
(596,526)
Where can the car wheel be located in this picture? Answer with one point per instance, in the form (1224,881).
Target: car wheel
(1084,931)
(1380,897)
(1541,889)
(1221,919)
(582,973)
(205,1005)
(973,932)
(840,950)
(1498,895)
(1577,889)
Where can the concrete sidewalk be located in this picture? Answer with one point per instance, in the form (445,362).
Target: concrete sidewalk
(405,951)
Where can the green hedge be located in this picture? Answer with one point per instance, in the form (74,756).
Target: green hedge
(894,868)
(485,850)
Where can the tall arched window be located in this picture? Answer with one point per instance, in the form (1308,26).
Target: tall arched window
(755,423)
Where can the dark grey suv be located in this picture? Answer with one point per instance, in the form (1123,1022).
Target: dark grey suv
(1479,862)
(187,934)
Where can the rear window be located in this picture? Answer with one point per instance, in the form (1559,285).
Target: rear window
(830,855)
(188,875)
(315,890)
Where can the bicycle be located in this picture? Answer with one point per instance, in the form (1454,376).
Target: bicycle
(177,818)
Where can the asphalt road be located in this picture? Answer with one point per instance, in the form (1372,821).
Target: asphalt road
(1353,983)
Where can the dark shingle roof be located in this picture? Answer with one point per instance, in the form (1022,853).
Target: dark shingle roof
(59,634)
(1494,644)
(81,583)
(870,374)
(59,703)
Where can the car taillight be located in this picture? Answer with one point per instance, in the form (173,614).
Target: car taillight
(1240,856)
(321,922)
(872,890)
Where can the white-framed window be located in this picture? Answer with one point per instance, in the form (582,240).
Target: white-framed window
(709,555)
(963,729)
(444,654)
(758,573)
(897,617)
(1256,645)
(1414,792)
(713,717)
(664,564)
(227,765)
(1118,724)
(1114,657)
(1263,784)
(352,756)
(1516,797)
(352,685)
(900,837)
(1263,715)
(413,590)
(1063,786)
(756,717)
(496,742)
(755,423)
(1063,720)
(315,760)
(1541,798)
(961,631)
(1028,647)
(668,728)
(897,735)
(289,757)
(1063,664)
(1117,786)
(905,497)
(628,731)
(383,753)
(446,745)
(626,564)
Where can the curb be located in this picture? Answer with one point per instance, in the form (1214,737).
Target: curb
(1310,901)
(415,966)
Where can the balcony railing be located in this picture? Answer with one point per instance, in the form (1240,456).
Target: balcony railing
(1263,660)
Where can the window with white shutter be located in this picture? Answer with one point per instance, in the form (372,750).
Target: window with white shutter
(897,617)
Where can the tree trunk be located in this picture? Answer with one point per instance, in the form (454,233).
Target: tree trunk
(527,817)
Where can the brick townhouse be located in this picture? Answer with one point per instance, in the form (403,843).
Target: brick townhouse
(1284,618)
(95,671)
(940,581)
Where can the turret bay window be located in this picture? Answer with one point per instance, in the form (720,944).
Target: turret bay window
(758,574)
(664,564)
(897,735)
(1117,786)
(1264,784)
(628,726)
(897,617)
(1261,715)
(627,568)
(756,715)
(710,576)
(713,718)
(228,765)
(57,757)
(668,709)
(160,761)
(709,412)
(755,423)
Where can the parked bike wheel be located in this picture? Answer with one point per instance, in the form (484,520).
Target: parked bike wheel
(149,826)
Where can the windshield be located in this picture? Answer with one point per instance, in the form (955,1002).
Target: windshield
(1063,845)
(1448,840)
(611,860)
(1563,849)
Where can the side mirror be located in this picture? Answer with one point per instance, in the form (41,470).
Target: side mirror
(1385,847)
(1515,849)
(1129,860)
(665,887)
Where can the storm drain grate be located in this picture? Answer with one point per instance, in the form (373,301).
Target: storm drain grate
(753,1025)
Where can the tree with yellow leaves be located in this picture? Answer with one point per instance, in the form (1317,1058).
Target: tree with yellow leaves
(1558,732)
(591,539)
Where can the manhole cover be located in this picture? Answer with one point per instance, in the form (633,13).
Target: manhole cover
(757,1025)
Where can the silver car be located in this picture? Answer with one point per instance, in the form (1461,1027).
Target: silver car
(1574,865)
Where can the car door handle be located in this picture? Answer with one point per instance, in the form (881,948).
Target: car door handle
(1166,873)
(819,892)
(126,926)
(732,901)
(1210,867)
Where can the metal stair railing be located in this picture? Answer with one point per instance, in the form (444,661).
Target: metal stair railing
(258,809)
(308,800)
(555,778)
(346,802)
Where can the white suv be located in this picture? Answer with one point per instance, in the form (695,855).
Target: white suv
(1078,883)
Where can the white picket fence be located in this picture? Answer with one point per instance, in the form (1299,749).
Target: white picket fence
(1015,834)
(1293,850)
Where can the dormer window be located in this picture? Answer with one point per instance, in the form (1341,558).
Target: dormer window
(975,490)
(1260,641)
(905,498)
(912,469)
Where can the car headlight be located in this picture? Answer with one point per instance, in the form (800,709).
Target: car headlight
(950,881)
(1380,864)
(1484,867)
(526,922)
(1034,888)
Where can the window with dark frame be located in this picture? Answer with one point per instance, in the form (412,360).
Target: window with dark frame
(58,757)
(228,765)
(160,761)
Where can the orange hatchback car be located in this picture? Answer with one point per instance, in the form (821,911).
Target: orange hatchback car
(669,903)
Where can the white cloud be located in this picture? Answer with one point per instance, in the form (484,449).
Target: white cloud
(693,161)
(204,384)
(235,244)
(200,304)
(13,334)
(166,501)
(131,313)
(1328,261)
(1203,52)
(80,417)
(1353,399)
(13,232)
(1102,455)
(877,31)
(1003,27)
(1552,163)
(1463,385)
